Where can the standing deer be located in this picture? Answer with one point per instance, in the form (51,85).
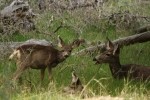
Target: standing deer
(131,71)
(38,56)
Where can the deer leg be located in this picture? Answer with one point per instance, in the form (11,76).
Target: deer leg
(18,72)
(50,73)
(42,74)
(20,78)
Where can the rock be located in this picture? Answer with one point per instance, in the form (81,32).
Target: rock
(7,47)
(18,15)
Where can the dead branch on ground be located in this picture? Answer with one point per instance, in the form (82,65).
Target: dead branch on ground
(125,41)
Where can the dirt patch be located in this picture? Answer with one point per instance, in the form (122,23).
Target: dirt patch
(105,98)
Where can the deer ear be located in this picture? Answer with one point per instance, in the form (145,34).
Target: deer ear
(60,42)
(116,50)
(75,80)
(74,77)
(109,44)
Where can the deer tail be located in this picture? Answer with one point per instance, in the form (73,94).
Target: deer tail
(16,53)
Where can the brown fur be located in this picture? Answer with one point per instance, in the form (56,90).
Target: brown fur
(41,57)
(131,71)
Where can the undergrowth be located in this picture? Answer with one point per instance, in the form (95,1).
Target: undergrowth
(96,78)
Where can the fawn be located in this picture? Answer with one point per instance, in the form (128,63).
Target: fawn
(75,86)
(38,56)
(131,71)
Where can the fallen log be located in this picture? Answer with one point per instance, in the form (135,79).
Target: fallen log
(125,41)
(7,47)
(143,29)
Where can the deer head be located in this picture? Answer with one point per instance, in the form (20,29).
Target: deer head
(66,49)
(110,55)
(39,56)
(75,86)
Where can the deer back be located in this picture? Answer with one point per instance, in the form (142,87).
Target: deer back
(37,55)
(40,55)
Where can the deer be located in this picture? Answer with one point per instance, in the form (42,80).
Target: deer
(75,86)
(36,56)
(118,71)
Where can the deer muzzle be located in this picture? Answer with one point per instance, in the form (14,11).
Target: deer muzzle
(65,54)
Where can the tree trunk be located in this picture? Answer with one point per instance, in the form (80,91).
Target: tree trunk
(125,41)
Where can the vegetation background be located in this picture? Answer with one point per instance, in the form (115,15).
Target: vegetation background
(110,18)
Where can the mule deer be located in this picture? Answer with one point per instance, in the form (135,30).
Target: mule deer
(38,56)
(75,86)
(131,71)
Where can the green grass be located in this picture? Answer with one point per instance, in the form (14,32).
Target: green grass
(97,78)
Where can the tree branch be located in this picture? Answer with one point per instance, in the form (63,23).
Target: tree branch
(125,41)
(143,29)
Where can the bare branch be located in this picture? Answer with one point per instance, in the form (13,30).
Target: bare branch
(125,41)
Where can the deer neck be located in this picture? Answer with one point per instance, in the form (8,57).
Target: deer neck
(60,58)
(115,67)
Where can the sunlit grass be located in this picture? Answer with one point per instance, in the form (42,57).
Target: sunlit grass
(96,78)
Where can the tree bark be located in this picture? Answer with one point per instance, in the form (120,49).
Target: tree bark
(125,41)
(7,47)
(143,29)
